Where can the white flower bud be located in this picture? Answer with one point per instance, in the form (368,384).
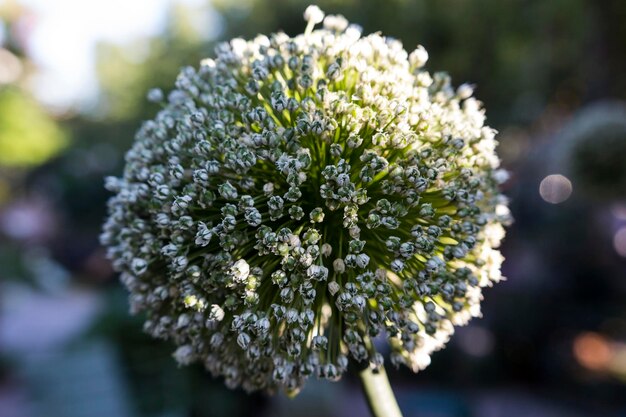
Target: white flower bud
(335,23)
(139,266)
(313,14)
(339,266)
(155,95)
(464,91)
(418,57)
(184,355)
(362,260)
(243,340)
(240,270)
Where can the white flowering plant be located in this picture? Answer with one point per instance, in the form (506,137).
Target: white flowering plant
(301,203)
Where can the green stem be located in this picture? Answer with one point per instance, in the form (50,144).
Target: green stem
(378,392)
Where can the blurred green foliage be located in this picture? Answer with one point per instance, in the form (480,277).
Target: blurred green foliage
(28,135)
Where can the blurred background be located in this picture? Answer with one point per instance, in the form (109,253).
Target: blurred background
(552,75)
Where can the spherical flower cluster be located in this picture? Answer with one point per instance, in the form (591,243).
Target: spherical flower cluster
(593,150)
(298,202)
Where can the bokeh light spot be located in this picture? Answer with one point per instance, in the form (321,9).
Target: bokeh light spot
(619,241)
(592,351)
(555,188)
(619,211)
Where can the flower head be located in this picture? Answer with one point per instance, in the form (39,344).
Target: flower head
(296,198)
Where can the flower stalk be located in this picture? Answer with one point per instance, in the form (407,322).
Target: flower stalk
(378,392)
